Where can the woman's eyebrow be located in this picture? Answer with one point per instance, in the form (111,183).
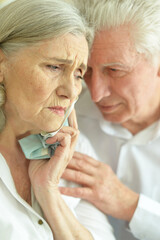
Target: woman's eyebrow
(66,61)
(60,60)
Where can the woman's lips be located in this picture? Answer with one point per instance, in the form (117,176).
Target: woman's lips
(58,110)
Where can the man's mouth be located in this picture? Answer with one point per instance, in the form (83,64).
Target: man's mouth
(108,108)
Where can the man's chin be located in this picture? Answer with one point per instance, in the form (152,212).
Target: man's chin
(115,118)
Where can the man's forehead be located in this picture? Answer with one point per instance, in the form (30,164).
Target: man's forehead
(118,34)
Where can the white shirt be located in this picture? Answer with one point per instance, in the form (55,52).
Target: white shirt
(18,220)
(136,162)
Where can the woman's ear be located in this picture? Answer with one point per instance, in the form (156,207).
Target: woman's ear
(159,71)
(2,63)
(158,65)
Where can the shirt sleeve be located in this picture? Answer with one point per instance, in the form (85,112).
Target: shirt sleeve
(145,223)
(88,215)
(94,221)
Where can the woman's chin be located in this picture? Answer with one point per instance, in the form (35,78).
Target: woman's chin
(51,129)
(46,128)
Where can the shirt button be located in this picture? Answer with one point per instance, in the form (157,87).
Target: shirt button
(40,222)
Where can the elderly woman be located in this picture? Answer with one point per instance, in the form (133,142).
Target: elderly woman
(43,57)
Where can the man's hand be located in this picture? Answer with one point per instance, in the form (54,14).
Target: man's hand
(100,186)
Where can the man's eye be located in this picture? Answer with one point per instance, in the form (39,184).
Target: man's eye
(116,72)
(113,69)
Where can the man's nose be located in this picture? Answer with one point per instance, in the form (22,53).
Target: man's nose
(99,86)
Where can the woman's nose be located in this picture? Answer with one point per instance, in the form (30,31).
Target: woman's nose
(68,88)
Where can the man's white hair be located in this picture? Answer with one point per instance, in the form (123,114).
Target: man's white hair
(142,17)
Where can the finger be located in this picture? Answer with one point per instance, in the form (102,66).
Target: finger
(67,138)
(88,159)
(80,165)
(74,136)
(73,119)
(85,159)
(62,134)
(80,192)
(70,130)
(78,177)
(62,151)
(61,157)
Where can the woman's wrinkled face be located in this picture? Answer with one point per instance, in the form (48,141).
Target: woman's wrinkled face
(43,80)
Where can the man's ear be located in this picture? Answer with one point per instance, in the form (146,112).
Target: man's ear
(2,63)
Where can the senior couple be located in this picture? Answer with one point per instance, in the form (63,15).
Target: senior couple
(109,187)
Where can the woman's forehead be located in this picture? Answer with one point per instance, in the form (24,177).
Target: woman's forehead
(65,48)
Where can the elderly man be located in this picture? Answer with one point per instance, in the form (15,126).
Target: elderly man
(122,120)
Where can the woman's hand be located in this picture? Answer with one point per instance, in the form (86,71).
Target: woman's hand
(100,186)
(45,174)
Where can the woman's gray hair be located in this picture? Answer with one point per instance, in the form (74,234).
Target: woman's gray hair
(142,17)
(27,22)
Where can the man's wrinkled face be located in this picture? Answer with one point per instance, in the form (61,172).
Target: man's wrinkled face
(123,83)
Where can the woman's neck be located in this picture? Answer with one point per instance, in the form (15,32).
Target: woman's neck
(18,164)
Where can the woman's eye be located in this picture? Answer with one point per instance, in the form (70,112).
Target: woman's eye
(53,67)
(78,75)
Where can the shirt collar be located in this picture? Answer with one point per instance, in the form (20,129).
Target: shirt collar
(6,176)
(144,137)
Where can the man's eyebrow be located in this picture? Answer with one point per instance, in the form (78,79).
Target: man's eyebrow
(115,64)
(112,64)
(67,61)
